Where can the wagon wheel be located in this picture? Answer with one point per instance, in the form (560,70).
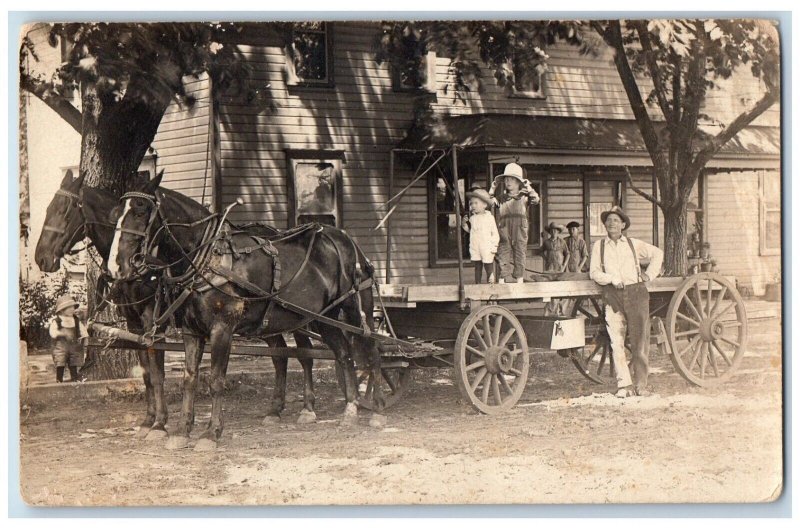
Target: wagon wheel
(394,382)
(594,361)
(707,329)
(491,359)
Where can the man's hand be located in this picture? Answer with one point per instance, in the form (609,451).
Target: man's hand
(618,284)
(645,277)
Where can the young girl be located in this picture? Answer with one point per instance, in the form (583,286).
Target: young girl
(68,332)
(483,235)
(513,222)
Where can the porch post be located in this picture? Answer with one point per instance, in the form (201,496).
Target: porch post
(459,243)
(388,272)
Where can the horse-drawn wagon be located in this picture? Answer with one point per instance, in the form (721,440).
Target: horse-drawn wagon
(485,332)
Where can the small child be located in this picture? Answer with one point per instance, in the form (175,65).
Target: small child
(69,334)
(483,235)
(513,222)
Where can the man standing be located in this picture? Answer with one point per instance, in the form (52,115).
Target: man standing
(578,252)
(615,266)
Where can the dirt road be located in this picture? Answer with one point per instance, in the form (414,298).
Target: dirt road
(568,440)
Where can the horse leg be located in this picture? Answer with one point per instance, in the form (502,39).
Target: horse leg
(221,339)
(193,346)
(355,311)
(280,363)
(337,341)
(307,415)
(149,419)
(156,362)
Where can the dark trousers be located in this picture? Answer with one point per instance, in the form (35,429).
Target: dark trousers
(627,313)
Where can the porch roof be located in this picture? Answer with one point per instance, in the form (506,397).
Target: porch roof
(524,132)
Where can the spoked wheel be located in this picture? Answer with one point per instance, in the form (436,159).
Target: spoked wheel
(707,329)
(491,359)
(394,383)
(594,361)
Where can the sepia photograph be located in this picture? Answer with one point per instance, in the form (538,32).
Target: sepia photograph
(400,262)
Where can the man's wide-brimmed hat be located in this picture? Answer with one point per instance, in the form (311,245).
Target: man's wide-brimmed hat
(553,226)
(573,224)
(514,170)
(480,194)
(65,302)
(617,211)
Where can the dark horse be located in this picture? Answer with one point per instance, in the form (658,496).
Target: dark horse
(230,281)
(77,212)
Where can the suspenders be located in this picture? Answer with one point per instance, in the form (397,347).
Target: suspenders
(633,251)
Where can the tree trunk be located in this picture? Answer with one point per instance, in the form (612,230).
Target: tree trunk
(676,261)
(114,139)
(110,363)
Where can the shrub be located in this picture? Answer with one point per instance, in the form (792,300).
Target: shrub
(37,300)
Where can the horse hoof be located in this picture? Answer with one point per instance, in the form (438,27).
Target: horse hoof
(377,421)
(271,419)
(177,442)
(205,445)
(350,416)
(307,417)
(142,432)
(156,435)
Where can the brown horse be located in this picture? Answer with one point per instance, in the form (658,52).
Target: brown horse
(77,212)
(228,282)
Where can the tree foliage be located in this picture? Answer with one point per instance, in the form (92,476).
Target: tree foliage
(666,67)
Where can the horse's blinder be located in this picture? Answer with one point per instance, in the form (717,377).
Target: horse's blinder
(138,260)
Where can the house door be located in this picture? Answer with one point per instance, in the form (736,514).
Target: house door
(599,194)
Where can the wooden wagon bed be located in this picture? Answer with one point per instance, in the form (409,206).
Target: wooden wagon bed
(409,295)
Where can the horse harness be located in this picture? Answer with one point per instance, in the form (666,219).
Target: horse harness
(203,275)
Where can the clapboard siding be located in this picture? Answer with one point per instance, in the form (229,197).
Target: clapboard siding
(182,144)
(639,209)
(733,229)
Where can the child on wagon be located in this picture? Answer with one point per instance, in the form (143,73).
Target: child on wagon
(69,334)
(512,221)
(483,234)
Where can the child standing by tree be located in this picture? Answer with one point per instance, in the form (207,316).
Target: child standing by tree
(69,333)
(483,234)
(512,221)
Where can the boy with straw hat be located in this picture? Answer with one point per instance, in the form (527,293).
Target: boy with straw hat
(483,234)
(69,334)
(512,221)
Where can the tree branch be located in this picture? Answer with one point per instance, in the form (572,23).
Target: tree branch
(640,192)
(614,37)
(44,91)
(655,73)
(716,143)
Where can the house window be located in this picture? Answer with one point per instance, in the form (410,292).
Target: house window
(535,212)
(414,73)
(309,55)
(315,187)
(529,80)
(445,226)
(770,213)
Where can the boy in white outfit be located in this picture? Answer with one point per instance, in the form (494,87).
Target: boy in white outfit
(483,234)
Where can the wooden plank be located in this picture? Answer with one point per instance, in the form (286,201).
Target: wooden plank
(538,290)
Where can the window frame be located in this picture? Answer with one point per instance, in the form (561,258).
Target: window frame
(433,236)
(540,94)
(294,156)
(295,81)
(427,66)
(763,210)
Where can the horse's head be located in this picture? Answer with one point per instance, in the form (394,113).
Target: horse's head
(63,225)
(132,236)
